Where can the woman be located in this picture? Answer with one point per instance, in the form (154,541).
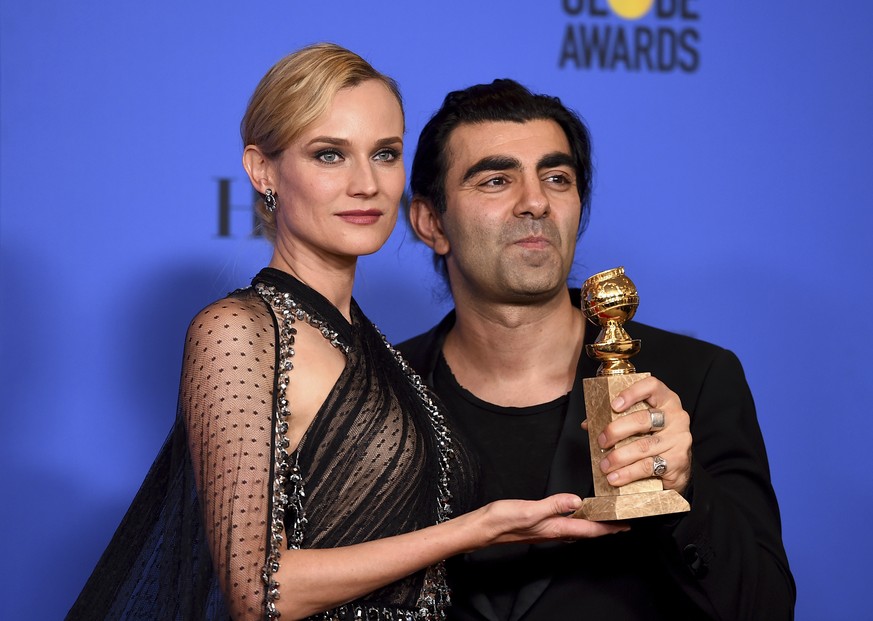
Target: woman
(325,477)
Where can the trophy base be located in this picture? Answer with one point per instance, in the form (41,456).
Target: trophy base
(629,506)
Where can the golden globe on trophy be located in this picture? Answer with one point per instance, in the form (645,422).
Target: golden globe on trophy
(609,299)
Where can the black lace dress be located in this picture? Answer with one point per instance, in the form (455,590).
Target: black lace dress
(205,533)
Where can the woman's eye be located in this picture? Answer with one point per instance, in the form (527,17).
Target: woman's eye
(387,155)
(328,157)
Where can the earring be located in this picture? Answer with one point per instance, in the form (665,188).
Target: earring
(270,200)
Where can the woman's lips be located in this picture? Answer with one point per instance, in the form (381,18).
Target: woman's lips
(361,216)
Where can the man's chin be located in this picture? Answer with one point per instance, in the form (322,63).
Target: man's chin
(534,291)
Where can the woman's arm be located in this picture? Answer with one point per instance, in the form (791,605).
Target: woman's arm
(316,580)
(226,399)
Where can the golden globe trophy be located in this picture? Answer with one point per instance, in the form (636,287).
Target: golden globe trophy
(609,299)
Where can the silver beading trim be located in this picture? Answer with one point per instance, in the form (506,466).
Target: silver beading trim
(288,492)
(435,596)
(363,612)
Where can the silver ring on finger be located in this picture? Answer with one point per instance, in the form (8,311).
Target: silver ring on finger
(659,466)
(657,419)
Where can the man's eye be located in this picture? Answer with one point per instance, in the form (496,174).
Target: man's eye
(559,178)
(494,182)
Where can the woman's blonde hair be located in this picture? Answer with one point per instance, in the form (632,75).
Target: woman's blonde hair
(295,92)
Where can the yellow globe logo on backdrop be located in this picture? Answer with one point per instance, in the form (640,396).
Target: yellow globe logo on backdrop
(630,9)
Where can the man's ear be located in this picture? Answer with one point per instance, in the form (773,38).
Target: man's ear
(259,168)
(428,225)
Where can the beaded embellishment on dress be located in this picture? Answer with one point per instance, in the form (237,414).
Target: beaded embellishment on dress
(288,492)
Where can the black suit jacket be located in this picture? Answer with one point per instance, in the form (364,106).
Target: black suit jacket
(722,560)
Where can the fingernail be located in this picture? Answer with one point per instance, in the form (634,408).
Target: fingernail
(604,464)
(618,404)
(612,477)
(601,440)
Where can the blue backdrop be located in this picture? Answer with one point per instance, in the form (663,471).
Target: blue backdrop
(732,144)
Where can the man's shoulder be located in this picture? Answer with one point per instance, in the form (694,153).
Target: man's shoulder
(665,338)
(658,338)
(416,343)
(421,351)
(681,361)
(665,345)
(415,350)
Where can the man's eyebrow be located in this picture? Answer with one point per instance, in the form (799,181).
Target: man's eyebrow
(557,158)
(492,162)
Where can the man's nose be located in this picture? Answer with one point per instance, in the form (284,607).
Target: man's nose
(533,202)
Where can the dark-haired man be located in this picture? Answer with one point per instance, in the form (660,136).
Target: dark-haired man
(501,185)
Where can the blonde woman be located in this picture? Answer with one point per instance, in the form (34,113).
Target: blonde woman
(311,473)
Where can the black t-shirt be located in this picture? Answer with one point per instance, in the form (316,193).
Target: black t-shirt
(515,447)
(516,444)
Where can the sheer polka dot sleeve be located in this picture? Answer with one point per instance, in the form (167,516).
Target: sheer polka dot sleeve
(226,401)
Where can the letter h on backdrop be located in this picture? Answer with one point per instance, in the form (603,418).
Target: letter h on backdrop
(225,207)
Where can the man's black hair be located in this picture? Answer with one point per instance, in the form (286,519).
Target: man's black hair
(502,100)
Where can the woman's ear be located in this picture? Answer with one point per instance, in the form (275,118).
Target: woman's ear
(259,168)
(428,225)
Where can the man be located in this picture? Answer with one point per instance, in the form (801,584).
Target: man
(501,185)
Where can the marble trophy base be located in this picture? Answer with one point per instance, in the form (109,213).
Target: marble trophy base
(638,499)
